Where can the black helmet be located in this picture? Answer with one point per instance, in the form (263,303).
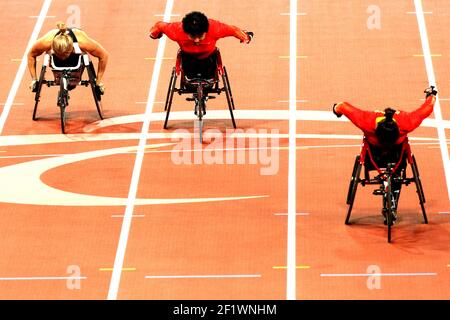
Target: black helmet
(387,129)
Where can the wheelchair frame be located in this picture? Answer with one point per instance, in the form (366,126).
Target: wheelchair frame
(63,94)
(200,90)
(395,173)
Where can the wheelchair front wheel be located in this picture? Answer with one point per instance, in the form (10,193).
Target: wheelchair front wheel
(63,119)
(390,205)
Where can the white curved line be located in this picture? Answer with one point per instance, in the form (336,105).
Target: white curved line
(21,184)
(59,138)
(304,115)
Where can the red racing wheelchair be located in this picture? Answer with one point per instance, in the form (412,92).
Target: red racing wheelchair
(200,89)
(389,165)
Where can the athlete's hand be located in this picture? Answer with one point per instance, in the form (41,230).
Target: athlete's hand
(248,37)
(33,85)
(430,91)
(100,87)
(335,112)
(155,34)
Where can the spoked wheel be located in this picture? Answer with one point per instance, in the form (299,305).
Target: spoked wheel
(419,188)
(354,181)
(95,91)
(37,97)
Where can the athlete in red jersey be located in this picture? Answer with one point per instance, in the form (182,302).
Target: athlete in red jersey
(388,126)
(197,36)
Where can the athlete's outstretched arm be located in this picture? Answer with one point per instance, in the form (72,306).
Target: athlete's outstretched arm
(358,117)
(94,48)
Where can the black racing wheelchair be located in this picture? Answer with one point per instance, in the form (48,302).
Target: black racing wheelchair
(67,78)
(389,165)
(200,89)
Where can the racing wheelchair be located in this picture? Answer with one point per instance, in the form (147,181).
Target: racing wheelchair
(389,165)
(67,78)
(200,89)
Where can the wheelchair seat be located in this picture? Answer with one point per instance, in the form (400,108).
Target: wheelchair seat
(390,164)
(379,157)
(193,71)
(213,79)
(74,63)
(71,69)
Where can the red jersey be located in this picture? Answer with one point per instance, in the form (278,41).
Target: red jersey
(206,46)
(367,120)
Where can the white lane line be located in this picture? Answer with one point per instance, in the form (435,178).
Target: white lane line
(256,114)
(425,12)
(444,212)
(172,15)
(14,104)
(216,149)
(298,14)
(122,216)
(82,137)
(432,81)
(23,65)
(440,99)
(291,284)
(126,224)
(297,214)
(378,274)
(288,101)
(41,278)
(145,102)
(46,17)
(212,276)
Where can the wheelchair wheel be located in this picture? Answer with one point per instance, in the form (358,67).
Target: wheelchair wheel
(95,92)
(353,187)
(37,97)
(228,86)
(419,188)
(63,102)
(389,204)
(229,95)
(63,119)
(200,130)
(169,98)
(200,110)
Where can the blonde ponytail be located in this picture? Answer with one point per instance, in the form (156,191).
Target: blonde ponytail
(61,26)
(62,43)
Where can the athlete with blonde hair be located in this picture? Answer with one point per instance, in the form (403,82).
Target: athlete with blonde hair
(65,44)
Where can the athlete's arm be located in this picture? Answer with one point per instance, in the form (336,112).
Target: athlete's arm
(412,120)
(95,49)
(42,45)
(226,30)
(360,118)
